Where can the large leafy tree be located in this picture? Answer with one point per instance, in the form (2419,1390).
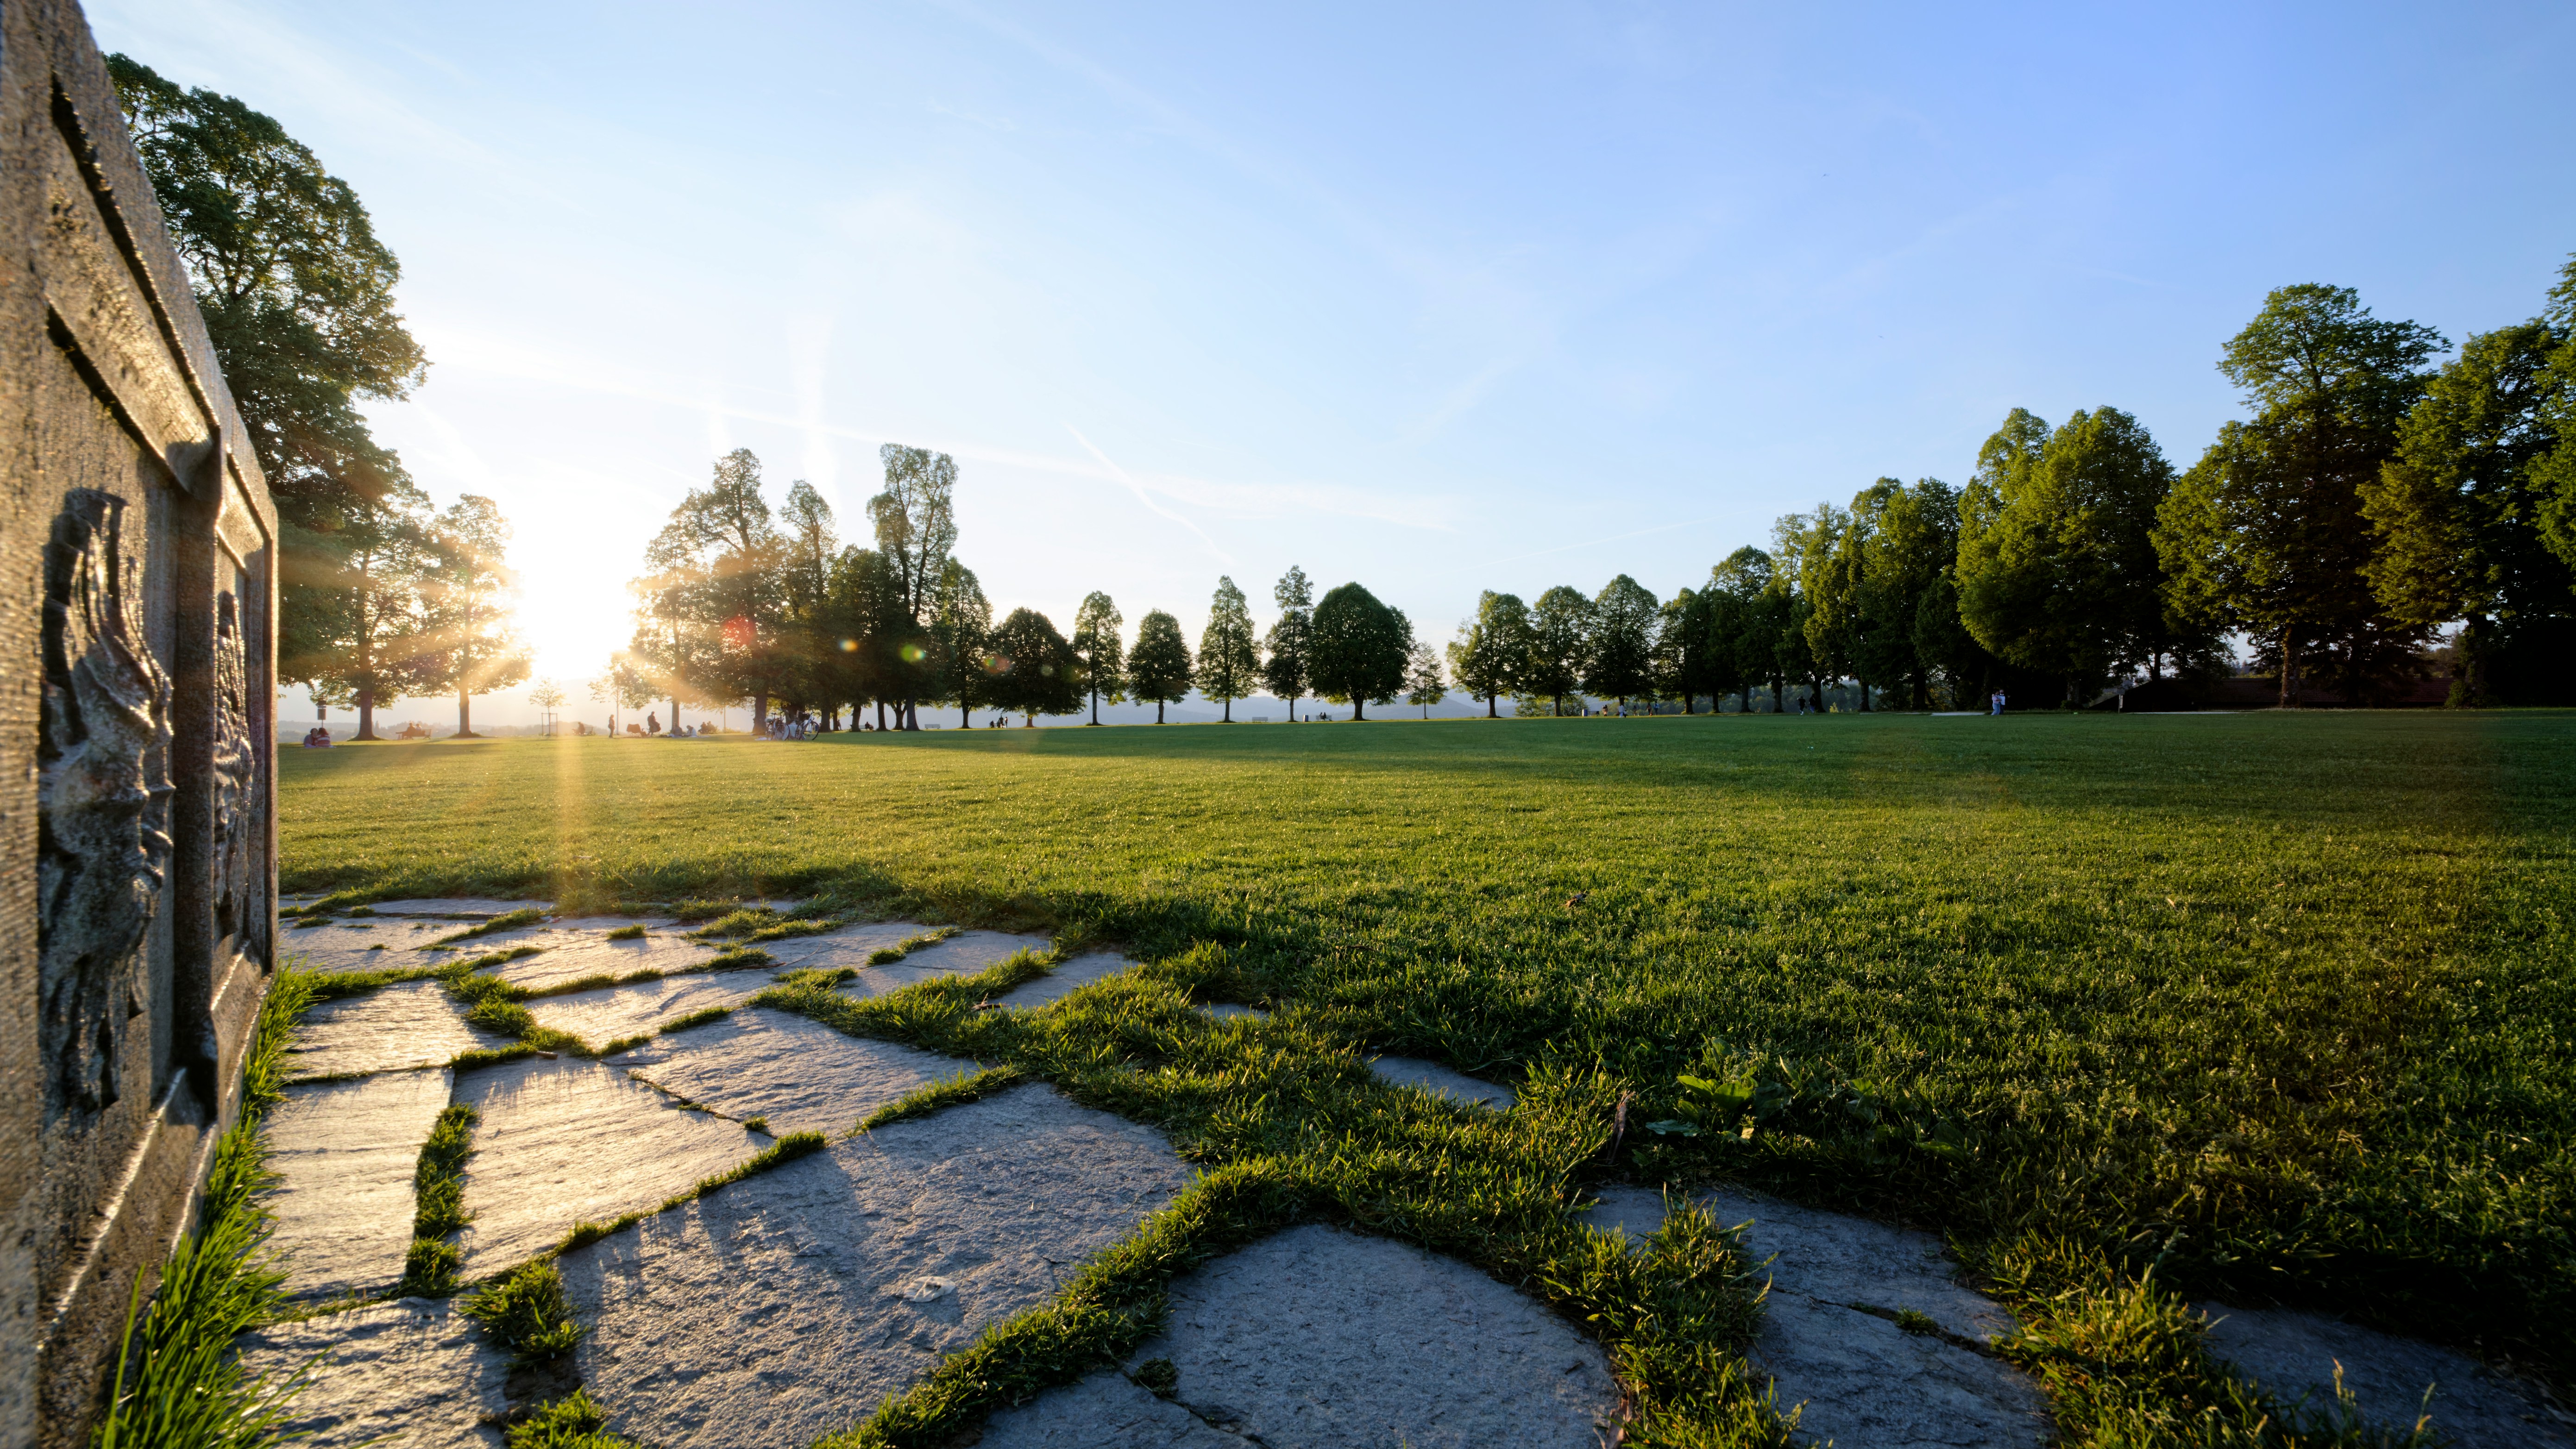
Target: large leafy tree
(916,527)
(2458,515)
(1229,657)
(1096,648)
(1687,665)
(1289,671)
(1360,646)
(1159,667)
(863,610)
(2554,472)
(1620,657)
(1913,544)
(2266,534)
(373,606)
(298,296)
(469,606)
(808,544)
(1743,623)
(1033,668)
(1492,649)
(961,622)
(1828,546)
(2057,564)
(1560,637)
(715,577)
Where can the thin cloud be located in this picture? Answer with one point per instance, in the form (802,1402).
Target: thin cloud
(1147,498)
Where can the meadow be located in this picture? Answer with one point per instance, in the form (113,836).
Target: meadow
(2135,1010)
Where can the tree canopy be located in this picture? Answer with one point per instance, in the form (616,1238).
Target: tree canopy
(1159,667)
(1360,647)
(1229,664)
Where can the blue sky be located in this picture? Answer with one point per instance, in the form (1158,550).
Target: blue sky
(1439,299)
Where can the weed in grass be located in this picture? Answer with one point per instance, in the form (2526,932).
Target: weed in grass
(627,933)
(623,1044)
(499,958)
(929,1097)
(738,957)
(525,1309)
(572,1422)
(2271,1003)
(509,921)
(735,923)
(818,978)
(176,1379)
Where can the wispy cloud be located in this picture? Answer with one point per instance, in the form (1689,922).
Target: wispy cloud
(1597,542)
(1146,498)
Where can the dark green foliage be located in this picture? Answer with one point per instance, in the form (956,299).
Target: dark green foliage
(1229,664)
(1492,650)
(1619,658)
(1289,671)
(525,1310)
(1357,649)
(1159,667)
(573,1422)
(1098,652)
(1033,669)
(1560,636)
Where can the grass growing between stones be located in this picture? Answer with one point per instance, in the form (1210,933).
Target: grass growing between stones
(780,1152)
(2274,1005)
(507,921)
(176,1381)
(923,1100)
(571,1422)
(438,1205)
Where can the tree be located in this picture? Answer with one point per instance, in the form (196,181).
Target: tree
(366,615)
(1033,668)
(1822,551)
(2265,535)
(863,612)
(297,295)
(2057,563)
(1560,630)
(548,696)
(1913,545)
(1743,623)
(717,576)
(468,622)
(1620,654)
(1359,647)
(1685,664)
(2554,473)
(1097,651)
(916,527)
(1288,672)
(1159,668)
(1229,660)
(961,620)
(808,545)
(2457,512)
(1424,684)
(1492,649)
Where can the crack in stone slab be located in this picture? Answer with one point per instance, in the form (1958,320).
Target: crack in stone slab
(776,1310)
(566,1141)
(414,1367)
(602,1016)
(344,1154)
(800,1074)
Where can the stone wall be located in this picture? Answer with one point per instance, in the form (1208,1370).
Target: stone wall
(137,619)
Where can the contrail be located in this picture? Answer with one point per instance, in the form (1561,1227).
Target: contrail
(1147,499)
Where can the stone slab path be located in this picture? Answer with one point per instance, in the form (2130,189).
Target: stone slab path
(789,1304)
(1319,1337)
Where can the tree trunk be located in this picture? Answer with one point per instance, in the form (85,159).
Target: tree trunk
(2289,667)
(1493,707)
(965,712)
(465,716)
(1358,710)
(1229,709)
(1029,721)
(1095,706)
(1864,693)
(675,714)
(366,714)
(1158,711)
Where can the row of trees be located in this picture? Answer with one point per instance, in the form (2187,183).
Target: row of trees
(2370,500)
(741,601)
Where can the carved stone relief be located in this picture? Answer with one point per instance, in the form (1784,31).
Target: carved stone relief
(103,837)
(235,767)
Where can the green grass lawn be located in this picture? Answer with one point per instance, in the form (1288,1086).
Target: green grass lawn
(2276,1005)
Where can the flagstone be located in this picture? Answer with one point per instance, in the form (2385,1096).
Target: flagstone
(344,1154)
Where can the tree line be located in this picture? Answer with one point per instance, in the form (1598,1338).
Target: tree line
(740,601)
